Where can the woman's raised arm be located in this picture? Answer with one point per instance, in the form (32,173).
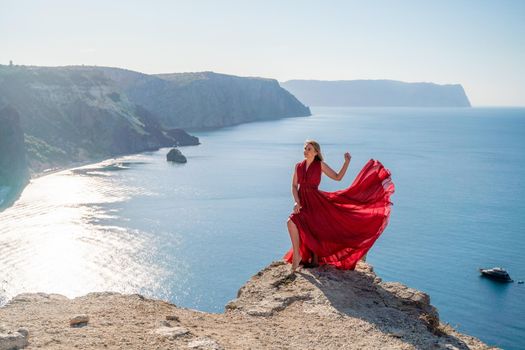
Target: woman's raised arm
(332,174)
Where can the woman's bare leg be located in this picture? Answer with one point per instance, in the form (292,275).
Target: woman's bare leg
(294,237)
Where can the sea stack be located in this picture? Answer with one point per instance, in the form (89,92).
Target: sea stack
(174,155)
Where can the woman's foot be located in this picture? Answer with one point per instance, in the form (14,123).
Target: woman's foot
(295,263)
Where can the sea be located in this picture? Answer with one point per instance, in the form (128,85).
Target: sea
(194,233)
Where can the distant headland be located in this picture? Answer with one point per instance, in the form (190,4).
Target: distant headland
(377,93)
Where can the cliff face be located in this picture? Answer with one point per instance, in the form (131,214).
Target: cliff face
(13,167)
(377,93)
(75,114)
(320,308)
(207,99)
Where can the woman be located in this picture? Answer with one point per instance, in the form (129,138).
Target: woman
(336,228)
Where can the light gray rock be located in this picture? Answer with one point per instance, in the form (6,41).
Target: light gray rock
(164,323)
(11,340)
(259,311)
(23,331)
(171,332)
(204,344)
(451,347)
(36,297)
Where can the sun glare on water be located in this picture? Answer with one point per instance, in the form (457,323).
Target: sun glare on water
(63,236)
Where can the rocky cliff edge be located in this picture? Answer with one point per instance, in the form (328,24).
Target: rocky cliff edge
(321,308)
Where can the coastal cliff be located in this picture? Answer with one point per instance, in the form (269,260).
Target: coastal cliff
(72,115)
(13,166)
(377,93)
(321,308)
(207,99)
(77,114)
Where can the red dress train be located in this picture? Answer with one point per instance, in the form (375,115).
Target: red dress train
(340,227)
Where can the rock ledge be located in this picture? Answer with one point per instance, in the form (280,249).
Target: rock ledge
(321,308)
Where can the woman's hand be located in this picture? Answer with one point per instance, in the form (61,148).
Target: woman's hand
(347,157)
(296,208)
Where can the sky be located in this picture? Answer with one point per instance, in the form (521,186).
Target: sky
(477,43)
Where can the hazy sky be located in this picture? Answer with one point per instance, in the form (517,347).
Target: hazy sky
(478,43)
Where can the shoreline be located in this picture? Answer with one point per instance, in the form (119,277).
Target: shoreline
(75,165)
(13,196)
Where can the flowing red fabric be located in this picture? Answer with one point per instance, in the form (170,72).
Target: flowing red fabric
(340,227)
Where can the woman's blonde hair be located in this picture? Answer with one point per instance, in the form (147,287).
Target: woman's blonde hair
(316,147)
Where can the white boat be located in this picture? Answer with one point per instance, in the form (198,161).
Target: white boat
(496,273)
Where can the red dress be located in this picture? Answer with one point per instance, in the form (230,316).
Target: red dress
(340,227)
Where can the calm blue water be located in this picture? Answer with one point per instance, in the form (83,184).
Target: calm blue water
(194,233)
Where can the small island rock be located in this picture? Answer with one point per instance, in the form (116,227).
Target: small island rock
(174,155)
